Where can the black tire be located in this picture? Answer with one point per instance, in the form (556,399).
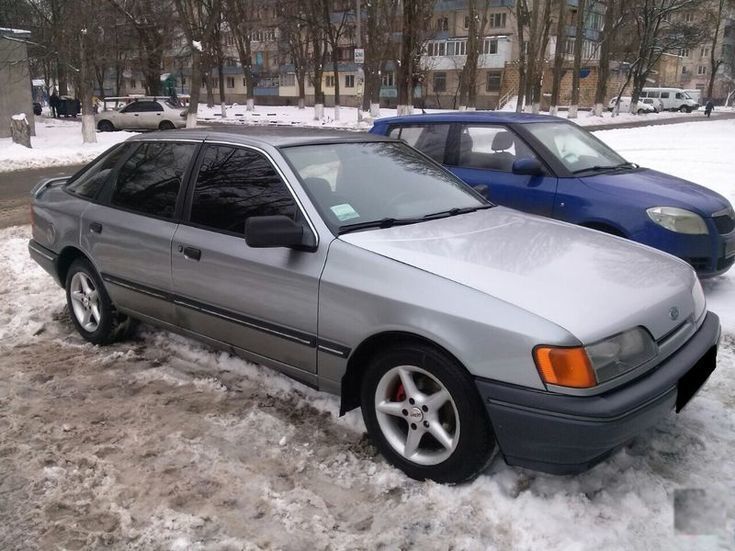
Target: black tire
(105,126)
(111,325)
(642,111)
(166,125)
(476,444)
(685,109)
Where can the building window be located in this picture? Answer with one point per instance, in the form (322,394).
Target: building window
(132,83)
(183,80)
(683,70)
(442,24)
(329,81)
(386,79)
(289,79)
(683,52)
(490,46)
(702,70)
(349,81)
(493,81)
(594,21)
(497,20)
(704,52)
(440,82)
(344,54)
(688,17)
(466,22)
(230,82)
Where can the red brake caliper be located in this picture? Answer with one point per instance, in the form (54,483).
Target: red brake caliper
(400,393)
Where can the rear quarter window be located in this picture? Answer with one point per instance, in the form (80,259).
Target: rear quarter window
(89,182)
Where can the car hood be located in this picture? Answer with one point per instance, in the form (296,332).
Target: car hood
(592,284)
(659,190)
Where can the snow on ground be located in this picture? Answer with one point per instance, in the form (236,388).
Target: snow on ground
(700,152)
(58,142)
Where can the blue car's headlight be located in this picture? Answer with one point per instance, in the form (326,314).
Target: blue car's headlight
(678,220)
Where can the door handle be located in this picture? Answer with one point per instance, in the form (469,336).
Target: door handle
(192,254)
(95,227)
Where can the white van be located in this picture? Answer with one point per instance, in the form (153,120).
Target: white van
(695,94)
(672,99)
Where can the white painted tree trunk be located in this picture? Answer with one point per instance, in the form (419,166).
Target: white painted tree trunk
(250,105)
(302,103)
(374,110)
(89,135)
(191,120)
(223,109)
(634,108)
(553,110)
(405,110)
(318,111)
(536,108)
(572,112)
(471,108)
(336,112)
(598,110)
(462,108)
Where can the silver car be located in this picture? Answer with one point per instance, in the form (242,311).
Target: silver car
(142,114)
(358,266)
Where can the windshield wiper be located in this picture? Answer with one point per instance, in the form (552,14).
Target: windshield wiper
(600,168)
(382,224)
(455,211)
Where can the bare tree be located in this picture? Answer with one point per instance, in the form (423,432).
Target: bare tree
(714,22)
(579,38)
(559,54)
(198,18)
(614,18)
(240,16)
(295,41)
(478,11)
(313,19)
(334,28)
(153,25)
(381,18)
(416,19)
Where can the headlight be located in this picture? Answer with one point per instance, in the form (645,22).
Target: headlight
(621,353)
(678,220)
(700,302)
(585,367)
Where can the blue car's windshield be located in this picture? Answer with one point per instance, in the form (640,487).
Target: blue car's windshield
(379,184)
(575,148)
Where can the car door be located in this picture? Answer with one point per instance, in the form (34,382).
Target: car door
(128,231)
(151,115)
(130,116)
(483,154)
(261,300)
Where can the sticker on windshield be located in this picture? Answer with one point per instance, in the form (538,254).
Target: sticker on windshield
(344,212)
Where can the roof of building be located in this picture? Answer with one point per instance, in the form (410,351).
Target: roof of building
(277,136)
(503,117)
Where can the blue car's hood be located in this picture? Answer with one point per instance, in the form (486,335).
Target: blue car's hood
(659,189)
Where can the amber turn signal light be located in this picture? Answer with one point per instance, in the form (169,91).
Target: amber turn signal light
(564,366)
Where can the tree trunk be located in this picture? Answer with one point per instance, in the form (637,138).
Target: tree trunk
(86,84)
(714,63)
(405,68)
(604,67)
(559,52)
(578,42)
(521,20)
(195,88)
(221,75)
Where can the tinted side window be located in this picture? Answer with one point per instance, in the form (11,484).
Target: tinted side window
(664,95)
(135,107)
(491,148)
(92,179)
(234,184)
(149,181)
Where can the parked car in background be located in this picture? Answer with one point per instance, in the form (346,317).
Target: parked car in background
(672,99)
(358,266)
(143,114)
(624,106)
(552,167)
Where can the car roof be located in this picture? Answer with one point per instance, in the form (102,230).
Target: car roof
(277,136)
(502,117)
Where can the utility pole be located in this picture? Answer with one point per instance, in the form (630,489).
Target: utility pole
(360,71)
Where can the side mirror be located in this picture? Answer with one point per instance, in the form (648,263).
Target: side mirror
(529,167)
(273,231)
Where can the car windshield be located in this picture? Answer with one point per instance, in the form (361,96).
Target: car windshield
(377,184)
(575,148)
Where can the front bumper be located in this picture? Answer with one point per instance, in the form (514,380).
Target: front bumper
(564,434)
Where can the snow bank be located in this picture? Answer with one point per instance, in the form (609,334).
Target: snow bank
(57,142)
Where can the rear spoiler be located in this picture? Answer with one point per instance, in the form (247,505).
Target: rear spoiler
(47,182)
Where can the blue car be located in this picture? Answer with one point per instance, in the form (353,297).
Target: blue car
(552,167)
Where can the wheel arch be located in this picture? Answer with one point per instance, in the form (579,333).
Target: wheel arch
(68,255)
(351,383)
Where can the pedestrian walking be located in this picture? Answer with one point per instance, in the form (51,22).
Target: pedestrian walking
(708,108)
(53,102)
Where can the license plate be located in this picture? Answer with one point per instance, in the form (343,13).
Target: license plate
(693,380)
